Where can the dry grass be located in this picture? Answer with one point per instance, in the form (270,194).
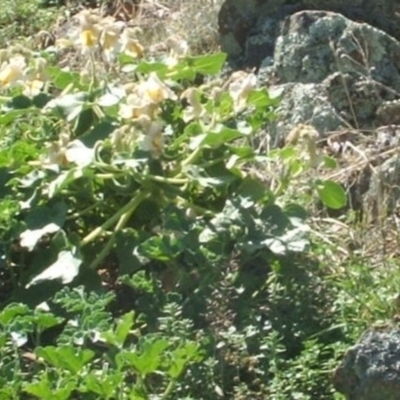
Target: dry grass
(195,21)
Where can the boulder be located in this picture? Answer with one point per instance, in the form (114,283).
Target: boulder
(371,369)
(239,20)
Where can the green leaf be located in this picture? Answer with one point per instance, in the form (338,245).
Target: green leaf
(65,269)
(61,79)
(251,191)
(84,121)
(216,138)
(148,359)
(46,389)
(70,104)
(42,221)
(332,194)
(146,67)
(209,64)
(20,102)
(103,384)
(181,357)
(66,357)
(79,154)
(330,162)
(121,332)
(12,311)
(123,327)
(161,248)
(261,98)
(45,320)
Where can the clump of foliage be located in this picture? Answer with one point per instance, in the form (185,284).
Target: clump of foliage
(17,22)
(142,255)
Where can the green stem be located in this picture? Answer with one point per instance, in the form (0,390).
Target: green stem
(168,389)
(172,181)
(132,205)
(123,220)
(191,157)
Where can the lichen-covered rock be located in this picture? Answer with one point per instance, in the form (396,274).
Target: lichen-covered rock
(239,20)
(371,369)
(334,73)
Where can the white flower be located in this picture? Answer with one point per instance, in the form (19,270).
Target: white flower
(153,138)
(135,106)
(195,109)
(178,49)
(154,90)
(109,37)
(240,86)
(129,43)
(57,152)
(33,88)
(12,71)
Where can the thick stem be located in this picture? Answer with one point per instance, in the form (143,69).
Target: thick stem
(140,196)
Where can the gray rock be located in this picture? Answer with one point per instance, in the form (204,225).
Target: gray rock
(334,73)
(240,19)
(371,369)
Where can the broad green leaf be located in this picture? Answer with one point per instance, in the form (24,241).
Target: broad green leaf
(118,336)
(331,194)
(161,248)
(329,162)
(20,102)
(148,360)
(123,327)
(64,179)
(252,191)
(261,98)
(45,389)
(216,138)
(71,105)
(84,121)
(146,67)
(11,311)
(45,320)
(66,357)
(42,221)
(103,384)
(79,154)
(65,269)
(62,79)
(182,357)
(111,98)
(209,64)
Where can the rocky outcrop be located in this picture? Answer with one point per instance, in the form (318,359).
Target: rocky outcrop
(336,66)
(371,369)
(240,20)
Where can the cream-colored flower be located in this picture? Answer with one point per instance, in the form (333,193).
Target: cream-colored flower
(178,49)
(123,137)
(109,37)
(35,77)
(130,44)
(136,106)
(33,87)
(12,71)
(154,90)
(152,139)
(240,86)
(305,137)
(56,155)
(195,109)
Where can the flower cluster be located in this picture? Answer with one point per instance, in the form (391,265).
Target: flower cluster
(17,70)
